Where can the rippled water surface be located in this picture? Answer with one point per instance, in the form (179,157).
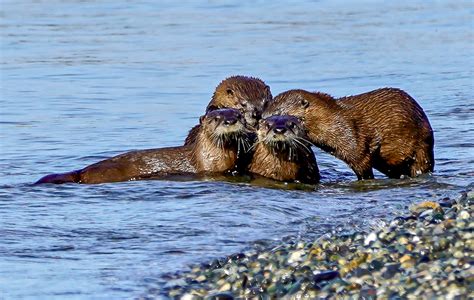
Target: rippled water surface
(85,80)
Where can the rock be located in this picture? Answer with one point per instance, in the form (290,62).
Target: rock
(220,296)
(324,276)
(424,255)
(372,237)
(463,215)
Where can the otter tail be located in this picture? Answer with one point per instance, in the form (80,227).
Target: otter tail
(73,176)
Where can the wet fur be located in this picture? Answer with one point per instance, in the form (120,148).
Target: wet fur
(210,154)
(383,129)
(289,160)
(247,94)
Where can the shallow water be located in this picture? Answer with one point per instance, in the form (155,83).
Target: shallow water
(85,80)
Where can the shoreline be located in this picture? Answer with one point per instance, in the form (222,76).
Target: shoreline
(427,253)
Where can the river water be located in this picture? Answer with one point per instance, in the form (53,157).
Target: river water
(85,80)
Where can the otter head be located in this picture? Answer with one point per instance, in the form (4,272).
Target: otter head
(225,127)
(297,103)
(293,102)
(247,94)
(283,134)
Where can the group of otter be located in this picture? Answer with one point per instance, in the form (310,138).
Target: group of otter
(246,130)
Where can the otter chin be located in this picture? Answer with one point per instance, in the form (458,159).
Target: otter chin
(384,129)
(221,147)
(282,151)
(249,95)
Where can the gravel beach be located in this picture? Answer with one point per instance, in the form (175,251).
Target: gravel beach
(428,253)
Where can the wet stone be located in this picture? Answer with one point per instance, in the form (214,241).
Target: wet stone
(220,296)
(324,276)
(423,255)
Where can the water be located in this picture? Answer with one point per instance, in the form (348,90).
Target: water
(85,80)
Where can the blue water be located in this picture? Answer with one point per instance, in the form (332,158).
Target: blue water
(85,80)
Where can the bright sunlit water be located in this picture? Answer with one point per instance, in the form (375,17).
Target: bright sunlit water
(85,80)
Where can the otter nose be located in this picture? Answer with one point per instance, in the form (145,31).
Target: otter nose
(279,129)
(230,121)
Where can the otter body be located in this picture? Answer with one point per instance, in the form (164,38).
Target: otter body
(383,129)
(282,151)
(247,94)
(220,144)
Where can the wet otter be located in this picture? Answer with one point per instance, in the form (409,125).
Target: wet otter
(383,129)
(248,94)
(282,151)
(221,141)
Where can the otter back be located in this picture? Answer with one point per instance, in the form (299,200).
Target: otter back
(383,129)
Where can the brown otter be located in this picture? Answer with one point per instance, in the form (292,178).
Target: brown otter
(248,94)
(221,142)
(282,151)
(383,129)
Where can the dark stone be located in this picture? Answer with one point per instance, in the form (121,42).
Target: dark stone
(390,270)
(376,265)
(244,281)
(220,296)
(287,279)
(424,259)
(293,288)
(324,276)
(216,263)
(446,202)
(404,219)
(235,257)
(359,272)
(255,291)
(305,270)
(368,293)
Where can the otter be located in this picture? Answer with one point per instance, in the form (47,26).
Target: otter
(384,129)
(250,95)
(282,151)
(221,142)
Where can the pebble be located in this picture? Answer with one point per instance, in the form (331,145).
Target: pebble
(372,237)
(427,254)
(463,215)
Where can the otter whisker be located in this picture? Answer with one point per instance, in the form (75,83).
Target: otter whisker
(304,140)
(253,146)
(300,144)
(245,143)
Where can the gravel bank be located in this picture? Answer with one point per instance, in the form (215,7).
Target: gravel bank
(426,254)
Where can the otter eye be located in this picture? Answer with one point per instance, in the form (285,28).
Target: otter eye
(304,103)
(292,125)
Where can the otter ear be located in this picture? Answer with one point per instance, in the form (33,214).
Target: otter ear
(304,103)
(229,92)
(201,119)
(267,91)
